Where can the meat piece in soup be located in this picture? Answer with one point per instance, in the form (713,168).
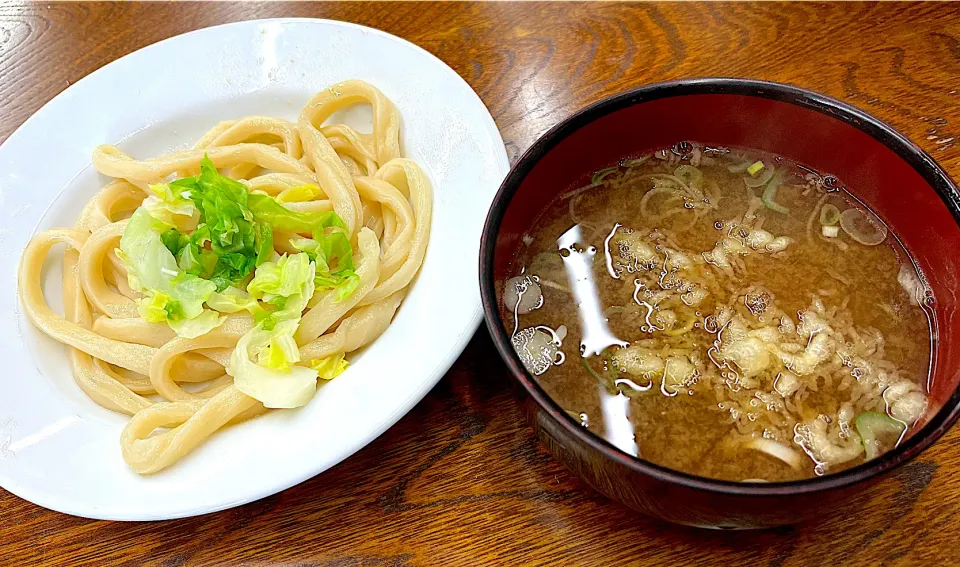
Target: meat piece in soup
(739,316)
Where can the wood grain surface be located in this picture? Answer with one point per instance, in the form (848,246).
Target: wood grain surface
(459,481)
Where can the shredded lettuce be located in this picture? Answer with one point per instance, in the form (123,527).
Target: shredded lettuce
(174,240)
(237,224)
(153,307)
(206,240)
(280,353)
(280,279)
(333,256)
(170,194)
(265,251)
(330,367)
(190,259)
(268,210)
(287,308)
(152,269)
(191,292)
(197,326)
(276,388)
(168,205)
(223,203)
(226,223)
(308,246)
(287,286)
(351,280)
(233,300)
(144,253)
(234,228)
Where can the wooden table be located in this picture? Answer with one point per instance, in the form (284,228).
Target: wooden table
(460,481)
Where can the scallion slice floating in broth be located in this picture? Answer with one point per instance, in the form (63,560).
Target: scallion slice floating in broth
(879,432)
(769,197)
(829,215)
(862,228)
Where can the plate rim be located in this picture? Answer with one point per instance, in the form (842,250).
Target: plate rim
(45,498)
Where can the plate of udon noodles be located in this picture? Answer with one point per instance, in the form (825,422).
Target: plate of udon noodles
(234,258)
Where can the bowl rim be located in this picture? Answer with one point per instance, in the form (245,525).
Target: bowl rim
(916,157)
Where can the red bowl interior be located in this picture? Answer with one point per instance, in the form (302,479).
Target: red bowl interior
(891,175)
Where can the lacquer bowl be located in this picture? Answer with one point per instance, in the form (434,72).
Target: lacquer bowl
(893,176)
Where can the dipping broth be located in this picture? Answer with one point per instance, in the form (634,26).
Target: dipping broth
(725,313)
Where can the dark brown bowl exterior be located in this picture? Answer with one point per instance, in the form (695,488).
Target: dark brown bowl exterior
(890,174)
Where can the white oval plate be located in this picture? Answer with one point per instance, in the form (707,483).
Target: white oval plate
(60,450)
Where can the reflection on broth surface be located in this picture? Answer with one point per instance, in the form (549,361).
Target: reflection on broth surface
(737,316)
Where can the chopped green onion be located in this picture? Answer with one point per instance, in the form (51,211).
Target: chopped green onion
(755,168)
(769,197)
(865,228)
(829,215)
(603,173)
(879,432)
(586,365)
(605,381)
(830,231)
(636,162)
(761,179)
(689,175)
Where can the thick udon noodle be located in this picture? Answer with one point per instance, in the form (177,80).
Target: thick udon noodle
(123,362)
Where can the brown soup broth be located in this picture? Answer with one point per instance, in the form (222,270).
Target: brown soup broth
(727,331)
